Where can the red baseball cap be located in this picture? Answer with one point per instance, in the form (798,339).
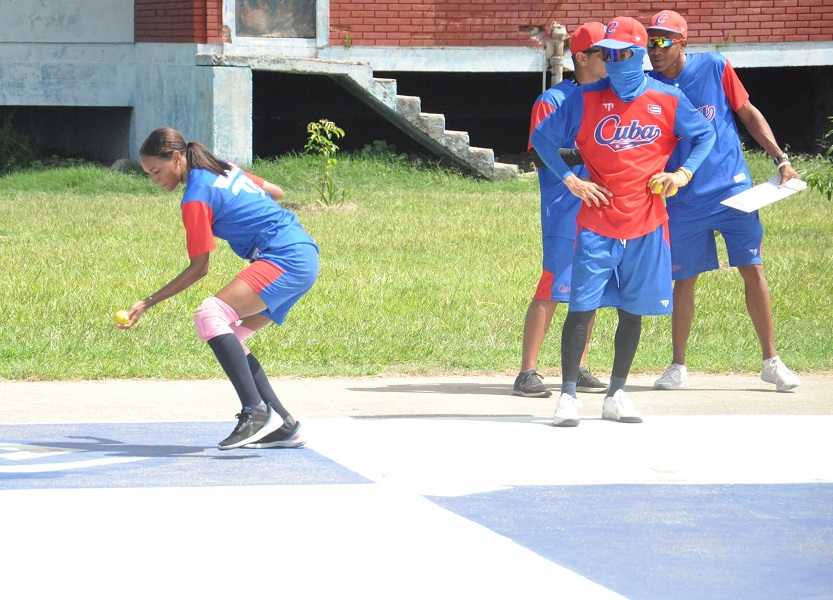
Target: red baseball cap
(586,35)
(670,21)
(624,32)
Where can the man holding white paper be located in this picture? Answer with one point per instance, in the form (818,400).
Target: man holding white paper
(696,213)
(765,193)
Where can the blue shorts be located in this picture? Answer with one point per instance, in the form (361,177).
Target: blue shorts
(554,284)
(281,278)
(693,247)
(634,275)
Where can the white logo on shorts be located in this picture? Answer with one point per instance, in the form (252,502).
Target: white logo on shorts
(664,303)
(753,251)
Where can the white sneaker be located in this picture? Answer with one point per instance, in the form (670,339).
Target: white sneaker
(674,378)
(776,372)
(566,411)
(618,407)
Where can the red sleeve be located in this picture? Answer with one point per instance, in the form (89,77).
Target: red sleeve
(197,218)
(258,181)
(540,111)
(733,88)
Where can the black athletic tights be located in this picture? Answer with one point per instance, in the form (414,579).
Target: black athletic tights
(574,336)
(245,373)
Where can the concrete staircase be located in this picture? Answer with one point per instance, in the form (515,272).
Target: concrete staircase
(380,94)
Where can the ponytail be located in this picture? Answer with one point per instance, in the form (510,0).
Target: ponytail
(162,143)
(200,157)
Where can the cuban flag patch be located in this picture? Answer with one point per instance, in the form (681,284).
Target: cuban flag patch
(654,109)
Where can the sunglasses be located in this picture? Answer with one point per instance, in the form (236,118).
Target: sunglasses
(662,42)
(611,55)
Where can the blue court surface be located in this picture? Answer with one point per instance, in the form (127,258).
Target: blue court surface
(733,506)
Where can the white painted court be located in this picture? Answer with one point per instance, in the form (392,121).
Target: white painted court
(390,506)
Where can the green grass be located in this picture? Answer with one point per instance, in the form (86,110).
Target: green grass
(427,271)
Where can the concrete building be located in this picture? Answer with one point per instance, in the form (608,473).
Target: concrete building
(95,76)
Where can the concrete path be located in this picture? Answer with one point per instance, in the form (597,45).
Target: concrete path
(150,400)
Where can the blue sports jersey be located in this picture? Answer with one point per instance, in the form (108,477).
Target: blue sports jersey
(710,82)
(233,208)
(559,206)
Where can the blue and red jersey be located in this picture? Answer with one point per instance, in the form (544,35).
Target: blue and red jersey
(623,145)
(558,205)
(233,208)
(548,102)
(711,84)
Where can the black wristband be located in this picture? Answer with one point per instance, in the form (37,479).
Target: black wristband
(780,158)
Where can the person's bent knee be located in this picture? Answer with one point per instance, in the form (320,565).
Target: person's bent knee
(214,318)
(242,333)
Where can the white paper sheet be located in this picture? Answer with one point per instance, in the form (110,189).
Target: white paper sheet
(765,193)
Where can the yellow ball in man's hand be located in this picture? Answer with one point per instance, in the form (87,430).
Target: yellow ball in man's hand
(121,317)
(656,188)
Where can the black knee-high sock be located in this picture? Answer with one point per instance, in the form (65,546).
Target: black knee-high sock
(232,358)
(573,339)
(264,388)
(628,332)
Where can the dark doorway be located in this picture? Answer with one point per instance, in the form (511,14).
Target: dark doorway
(494,108)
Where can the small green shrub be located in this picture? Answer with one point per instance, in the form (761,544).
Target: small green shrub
(321,142)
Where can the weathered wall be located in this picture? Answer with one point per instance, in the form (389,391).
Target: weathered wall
(211,105)
(72,72)
(491,23)
(505,23)
(198,21)
(438,23)
(67,73)
(66,21)
(66,53)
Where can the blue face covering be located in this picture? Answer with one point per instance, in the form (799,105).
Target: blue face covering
(627,78)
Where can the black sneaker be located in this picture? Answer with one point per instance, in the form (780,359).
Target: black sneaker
(252,425)
(287,435)
(587,383)
(530,384)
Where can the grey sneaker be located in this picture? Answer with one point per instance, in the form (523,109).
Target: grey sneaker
(588,383)
(674,378)
(775,371)
(252,425)
(530,384)
(287,435)
(618,407)
(566,411)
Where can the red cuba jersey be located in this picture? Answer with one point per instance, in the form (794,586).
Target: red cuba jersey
(623,144)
